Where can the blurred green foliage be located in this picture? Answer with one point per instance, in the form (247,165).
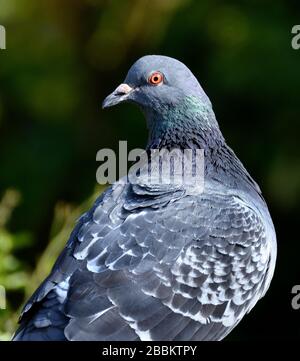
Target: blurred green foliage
(64,56)
(12,276)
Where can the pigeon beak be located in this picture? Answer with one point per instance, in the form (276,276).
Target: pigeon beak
(118,96)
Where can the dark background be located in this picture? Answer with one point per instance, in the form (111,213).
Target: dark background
(64,57)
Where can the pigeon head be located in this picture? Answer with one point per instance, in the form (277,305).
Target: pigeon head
(157,82)
(177,110)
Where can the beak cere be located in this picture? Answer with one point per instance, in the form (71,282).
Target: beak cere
(117,96)
(123,89)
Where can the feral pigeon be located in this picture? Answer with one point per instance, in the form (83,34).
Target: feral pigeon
(162,261)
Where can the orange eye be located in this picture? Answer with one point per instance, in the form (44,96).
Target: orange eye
(156,78)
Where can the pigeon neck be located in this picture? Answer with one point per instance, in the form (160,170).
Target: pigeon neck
(190,124)
(193,126)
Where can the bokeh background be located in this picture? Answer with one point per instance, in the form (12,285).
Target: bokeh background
(64,56)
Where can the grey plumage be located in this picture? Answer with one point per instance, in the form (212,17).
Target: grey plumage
(155,262)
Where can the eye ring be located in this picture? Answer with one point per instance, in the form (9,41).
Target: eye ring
(156,78)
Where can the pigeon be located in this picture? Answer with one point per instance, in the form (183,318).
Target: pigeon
(159,262)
